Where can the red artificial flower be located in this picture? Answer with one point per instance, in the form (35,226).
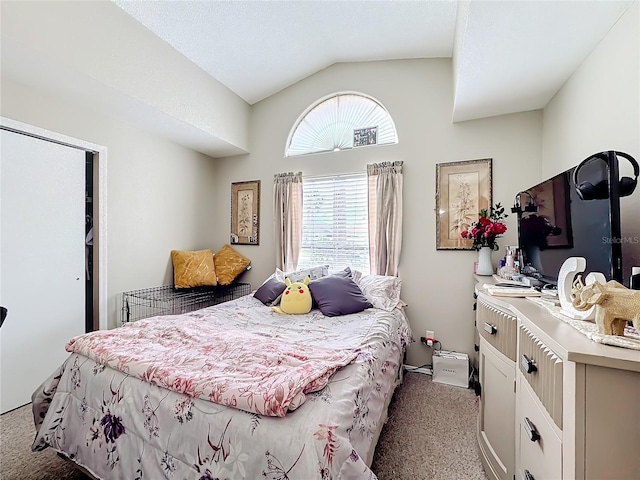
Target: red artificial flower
(487,228)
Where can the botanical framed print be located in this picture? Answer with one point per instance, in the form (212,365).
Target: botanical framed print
(462,190)
(245,213)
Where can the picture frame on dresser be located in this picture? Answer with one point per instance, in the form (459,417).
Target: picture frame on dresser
(463,189)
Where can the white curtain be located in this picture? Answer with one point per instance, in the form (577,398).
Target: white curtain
(287,219)
(385,217)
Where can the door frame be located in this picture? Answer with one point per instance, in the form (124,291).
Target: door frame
(100,311)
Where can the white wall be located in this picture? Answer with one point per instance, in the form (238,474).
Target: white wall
(160,195)
(418,94)
(598,109)
(91,49)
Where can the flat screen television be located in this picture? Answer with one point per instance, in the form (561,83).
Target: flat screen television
(555,223)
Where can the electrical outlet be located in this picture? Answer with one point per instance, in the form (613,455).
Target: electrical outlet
(430,335)
(428,341)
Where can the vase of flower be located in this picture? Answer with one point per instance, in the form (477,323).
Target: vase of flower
(485,267)
(483,233)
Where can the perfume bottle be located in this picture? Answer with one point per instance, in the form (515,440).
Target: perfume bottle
(518,260)
(509,258)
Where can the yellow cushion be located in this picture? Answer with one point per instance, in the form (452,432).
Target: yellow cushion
(296,298)
(229,264)
(193,269)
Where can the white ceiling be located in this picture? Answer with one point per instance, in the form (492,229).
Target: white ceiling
(508,56)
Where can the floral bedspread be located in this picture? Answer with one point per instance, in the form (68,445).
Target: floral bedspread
(119,426)
(254,372)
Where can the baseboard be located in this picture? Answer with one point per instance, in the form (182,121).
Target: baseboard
(411,368)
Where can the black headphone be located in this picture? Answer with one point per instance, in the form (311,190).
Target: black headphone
(599,191)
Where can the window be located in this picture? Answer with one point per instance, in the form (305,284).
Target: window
(341,121)
(335,222)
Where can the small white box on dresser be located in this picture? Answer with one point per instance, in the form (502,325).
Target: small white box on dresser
(451,368)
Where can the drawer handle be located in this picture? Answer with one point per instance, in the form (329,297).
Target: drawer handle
(528,365)
(490,328)
(527,476)
(534,436)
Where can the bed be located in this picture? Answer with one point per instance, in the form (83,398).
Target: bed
(118,415)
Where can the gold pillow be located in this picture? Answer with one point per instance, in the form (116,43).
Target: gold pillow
(193,269)
(229,264)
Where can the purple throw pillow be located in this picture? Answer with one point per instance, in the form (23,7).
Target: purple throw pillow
(338,295)
(269,291)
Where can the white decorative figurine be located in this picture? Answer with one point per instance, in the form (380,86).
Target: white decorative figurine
(570,268)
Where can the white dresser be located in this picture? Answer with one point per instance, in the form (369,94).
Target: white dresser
(554,404)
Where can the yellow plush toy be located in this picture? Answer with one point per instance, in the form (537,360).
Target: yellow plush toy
(296,298)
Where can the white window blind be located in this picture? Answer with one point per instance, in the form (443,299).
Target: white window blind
(334,122)
(335,222)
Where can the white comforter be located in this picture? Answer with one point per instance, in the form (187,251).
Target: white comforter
(118,426)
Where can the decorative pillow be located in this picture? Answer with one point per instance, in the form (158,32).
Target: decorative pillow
(344,273)
(338,295)
(381,290)
(270,291)
(279,274)
(296,298)
(193,269)
(299,275)
(229,264)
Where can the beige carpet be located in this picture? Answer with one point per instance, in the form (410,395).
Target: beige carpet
(18,462)
(430,434)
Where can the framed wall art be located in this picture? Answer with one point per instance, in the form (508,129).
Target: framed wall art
(245,213)
(462,190)
(365,136)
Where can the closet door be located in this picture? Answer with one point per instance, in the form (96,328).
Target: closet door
(42,222)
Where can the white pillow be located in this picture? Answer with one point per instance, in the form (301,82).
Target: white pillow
(382,291)
(298,276)
(273,275)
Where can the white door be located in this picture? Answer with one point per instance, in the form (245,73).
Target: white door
(42,219)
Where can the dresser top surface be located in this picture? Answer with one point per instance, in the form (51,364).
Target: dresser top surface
(561,337)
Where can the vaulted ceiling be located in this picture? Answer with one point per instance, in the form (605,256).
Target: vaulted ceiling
(189,70)
(509,56)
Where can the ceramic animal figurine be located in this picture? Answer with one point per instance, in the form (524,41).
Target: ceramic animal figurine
(615,305)
(296,298)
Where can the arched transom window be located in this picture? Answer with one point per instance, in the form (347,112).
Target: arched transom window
(341,121)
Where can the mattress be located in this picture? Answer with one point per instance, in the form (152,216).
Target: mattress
(115,425)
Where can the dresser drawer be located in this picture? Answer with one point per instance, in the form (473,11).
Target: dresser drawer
(498,328)
(540,448)
(542,369)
